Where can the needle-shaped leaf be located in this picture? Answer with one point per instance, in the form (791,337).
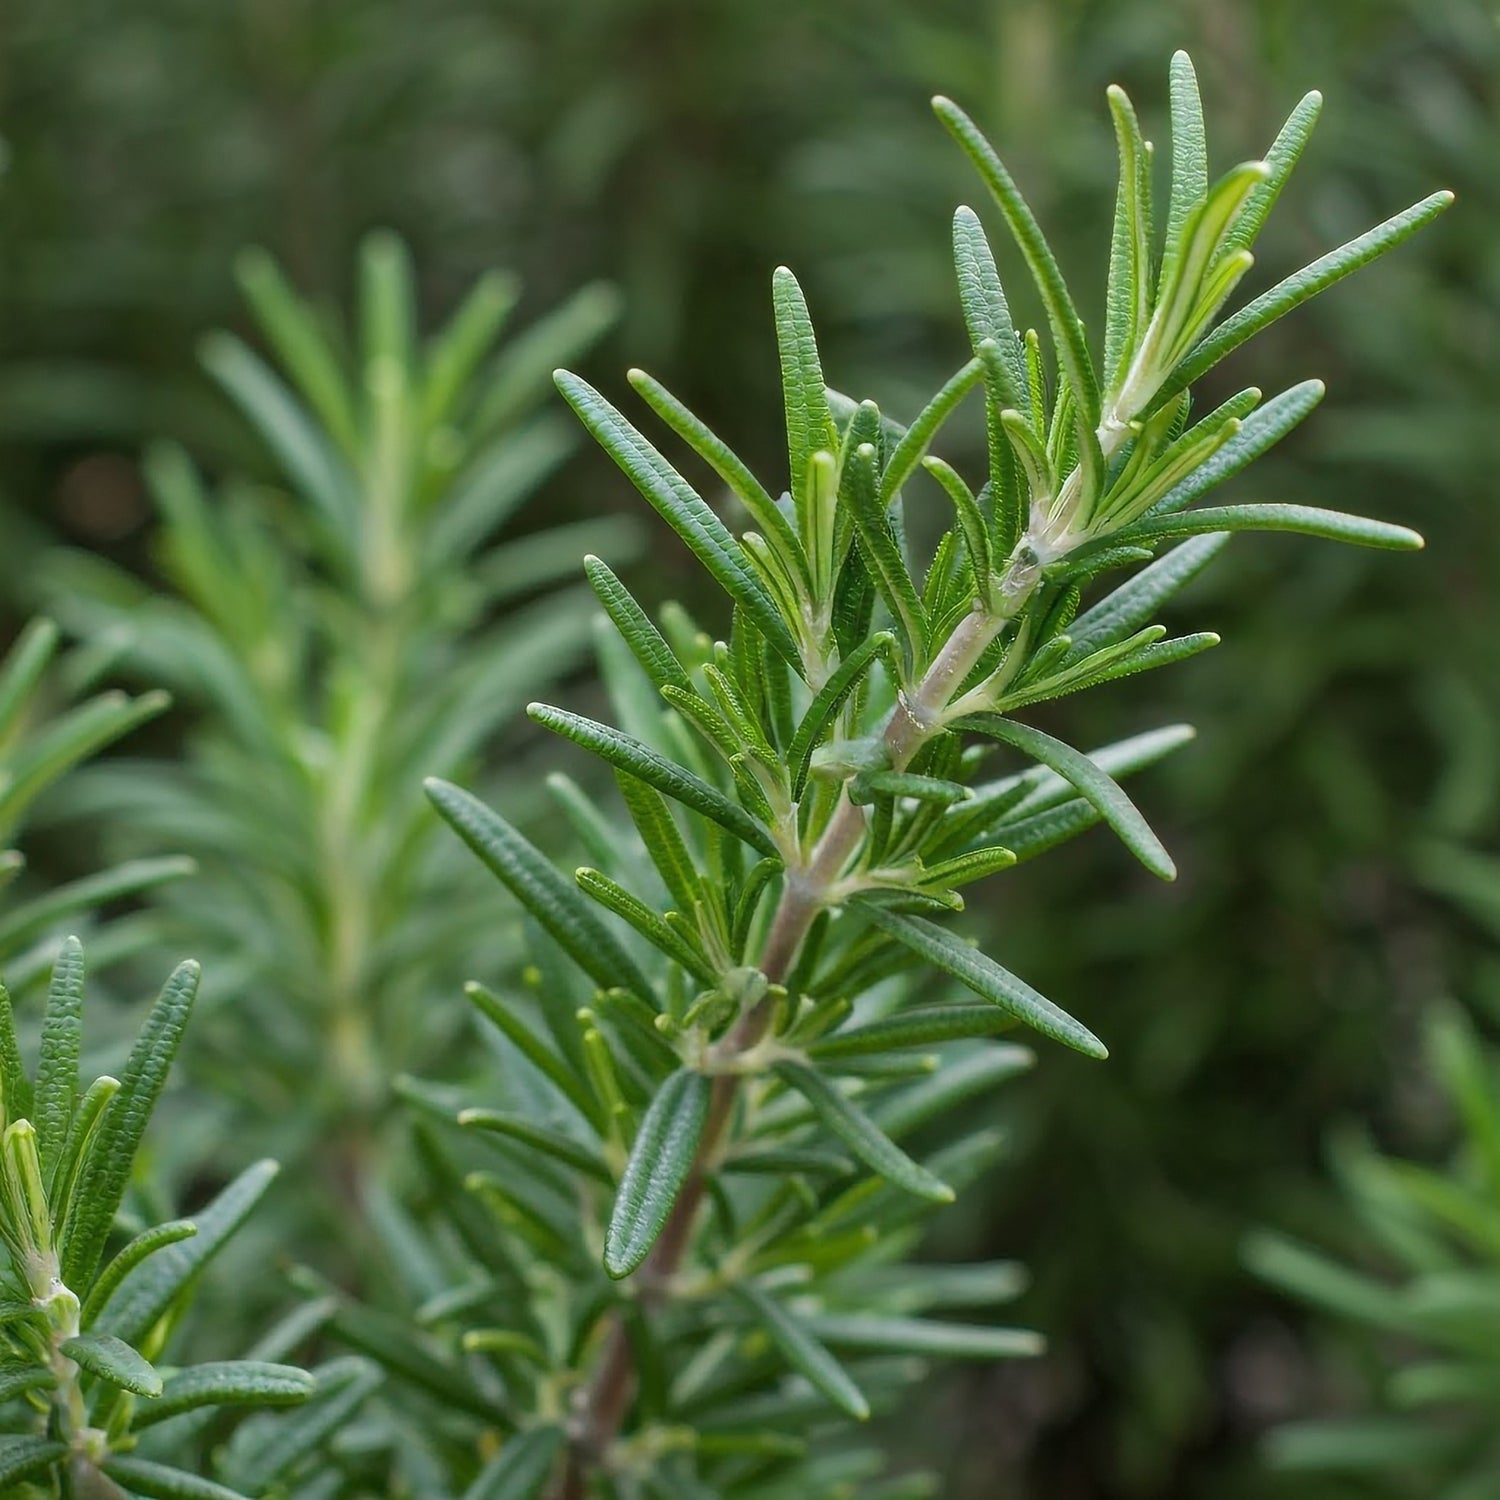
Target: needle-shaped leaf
(661,1159)
(142,1476)
(637,759)
(521,1128)
(57,1068)
(908,453)
(803,1352)
(985,978)
(861,1135)
(1323,273)
(882,553)
(809,423)
(1306,520)
(1092,783)
(682,508)
(106,1173)
(21,670)
(23,1458)
(1128,301)
(1189,147)
(113,1360)
(143,1246)
(530,877)
(820,713)
(237,1383)
(1131,605)
(611,895)
(926,1026)
(646,642)
(521,1467)
(925,1337)
(561,1074)
(1284,154)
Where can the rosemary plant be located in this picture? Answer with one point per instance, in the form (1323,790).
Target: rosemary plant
(38,746)
(715,1169)
(92,1403)
(338,630)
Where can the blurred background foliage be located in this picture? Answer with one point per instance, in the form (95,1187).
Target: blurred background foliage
(681,148)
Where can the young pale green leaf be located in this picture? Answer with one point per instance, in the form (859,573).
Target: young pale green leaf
(803,1352)
(104,1177)
(57,1068)
(23,1458)
(908,453)
(521,1468)
(1305,520)
(240,1382)
(1067,326)
(1323,273)
(521,1128)
(156,1481)
(153,1285)
(861,1135)
(645,764)
(532,880)
(926,1026)
(660,1161)
(1092,783)
(682,509)
(985,977)
(1128,301)
(113,1360)
(646,642)
(145,1244)
(925,1337)
(1032,455)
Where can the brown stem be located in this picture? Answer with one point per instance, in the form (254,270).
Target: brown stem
(610,1392)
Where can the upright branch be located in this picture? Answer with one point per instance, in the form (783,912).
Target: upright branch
(806,795)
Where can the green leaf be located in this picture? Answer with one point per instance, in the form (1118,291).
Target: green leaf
(925,1337)
(113,1360)
(453,357)
(647,645)
(861,1135)
(15,1086)
(57,1068)
(641,761)
(614,897)
(153,1285)
(1131,605)
(553,1143)
(1323,273)
(908,453)
(106,1173)
(21,670)
(661,1159)
(867,786)
(829,699)
(240,1382)
(925,1026)
(139,1249)
(986,978)
(1062,316)
(682,509)
(1189,147)
(1305,520)
(23,1458)
(882,553)
(159,1482)
(803,1352)
(1285,151)
(531,879)
(1128,302)
(986,312)
(521,1468)
(530,1045)
(1092,783)
(809,423)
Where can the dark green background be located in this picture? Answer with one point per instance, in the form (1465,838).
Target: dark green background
(682,150)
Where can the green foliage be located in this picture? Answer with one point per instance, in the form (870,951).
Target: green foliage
(86,1364)
(1427,1285)
(335,635)
(805,795)
(38,746)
